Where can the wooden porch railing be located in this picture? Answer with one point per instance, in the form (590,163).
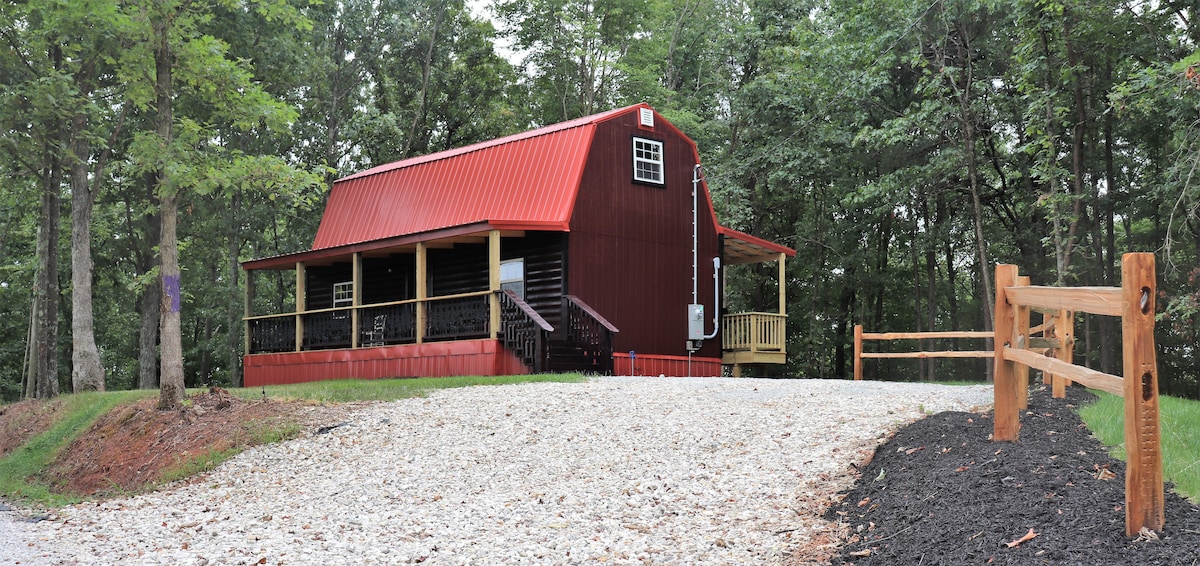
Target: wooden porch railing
(1015,353)
(754,332)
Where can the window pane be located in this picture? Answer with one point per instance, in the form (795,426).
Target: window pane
(512,270)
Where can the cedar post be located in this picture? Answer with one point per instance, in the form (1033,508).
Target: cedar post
(301,301)
(1022,330)
(494,282)
(422,290)
(1007,425)
(782,286)
(1143,475)
(355,298)
(249,309)
(1064,330)
(858,332)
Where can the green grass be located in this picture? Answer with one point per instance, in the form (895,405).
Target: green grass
(1178,418)
(347,390)
(20,471)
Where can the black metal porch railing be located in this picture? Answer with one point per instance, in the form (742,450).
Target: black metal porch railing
(386,325)
(458,318)
(589,332)
(276,334)
(324,330)
(524,332)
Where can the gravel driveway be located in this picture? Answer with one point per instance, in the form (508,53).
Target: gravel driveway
(616,470)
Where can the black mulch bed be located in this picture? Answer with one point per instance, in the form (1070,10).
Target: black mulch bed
(940,492)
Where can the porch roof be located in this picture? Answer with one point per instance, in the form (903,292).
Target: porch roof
(741,247)
(470,233)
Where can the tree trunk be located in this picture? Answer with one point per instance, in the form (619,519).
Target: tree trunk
(148,338)
(87,373)
(44,380)
(170,380)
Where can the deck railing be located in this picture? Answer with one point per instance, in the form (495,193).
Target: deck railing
(453,317)
(754,332)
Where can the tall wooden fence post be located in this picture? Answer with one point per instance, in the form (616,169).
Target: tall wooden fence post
(1143,475)
(1064,330)
(1007,425)
(858,332)
(1022,341)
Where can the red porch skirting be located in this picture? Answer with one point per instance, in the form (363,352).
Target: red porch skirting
(435,359)
(670,366)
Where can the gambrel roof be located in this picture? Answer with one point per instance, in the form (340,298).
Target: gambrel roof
(526,181)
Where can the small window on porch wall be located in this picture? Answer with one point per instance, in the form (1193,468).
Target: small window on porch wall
(343,294)
(512,276)
(648,161)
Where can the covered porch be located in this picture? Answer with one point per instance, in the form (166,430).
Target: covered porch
(752,338)
(478,299)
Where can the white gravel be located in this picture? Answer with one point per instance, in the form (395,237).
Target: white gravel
(616,470)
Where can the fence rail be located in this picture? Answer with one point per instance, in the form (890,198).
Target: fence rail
(1015,353)
(860,355)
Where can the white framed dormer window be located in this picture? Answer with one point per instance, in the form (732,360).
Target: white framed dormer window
(648,161)
(512,276)
(343,294)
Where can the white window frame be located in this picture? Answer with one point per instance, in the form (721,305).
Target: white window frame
(346,288)
(509,280)
(645,163)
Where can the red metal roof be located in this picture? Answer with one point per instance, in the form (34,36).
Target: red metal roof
(524,181)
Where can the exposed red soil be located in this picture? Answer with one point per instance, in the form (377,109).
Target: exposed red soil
(22,421)
(131,446)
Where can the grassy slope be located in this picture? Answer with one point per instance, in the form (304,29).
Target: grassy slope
(1180,446)
(19,471)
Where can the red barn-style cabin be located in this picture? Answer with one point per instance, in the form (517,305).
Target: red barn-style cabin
(573,247)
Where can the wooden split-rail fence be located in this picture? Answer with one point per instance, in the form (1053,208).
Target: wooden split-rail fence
(1016,353)
(1049,347)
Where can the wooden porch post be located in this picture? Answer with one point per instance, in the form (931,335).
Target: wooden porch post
(1143,475)
(301,294)
(422,291)
(782,286)
(355,298)
(248,310)
(1007,423)
(494,281)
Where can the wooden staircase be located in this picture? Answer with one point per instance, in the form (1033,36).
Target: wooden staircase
(583,343)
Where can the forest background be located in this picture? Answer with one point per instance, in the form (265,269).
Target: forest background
(903,147)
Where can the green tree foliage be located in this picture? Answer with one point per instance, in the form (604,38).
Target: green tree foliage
(901,147)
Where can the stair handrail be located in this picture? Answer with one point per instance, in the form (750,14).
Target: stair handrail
(524,331)
(586,327)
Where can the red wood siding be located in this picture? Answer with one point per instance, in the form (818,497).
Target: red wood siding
(438,359)
(630,247)
(668,366)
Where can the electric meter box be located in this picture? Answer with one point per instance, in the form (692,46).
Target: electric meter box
(695,322)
